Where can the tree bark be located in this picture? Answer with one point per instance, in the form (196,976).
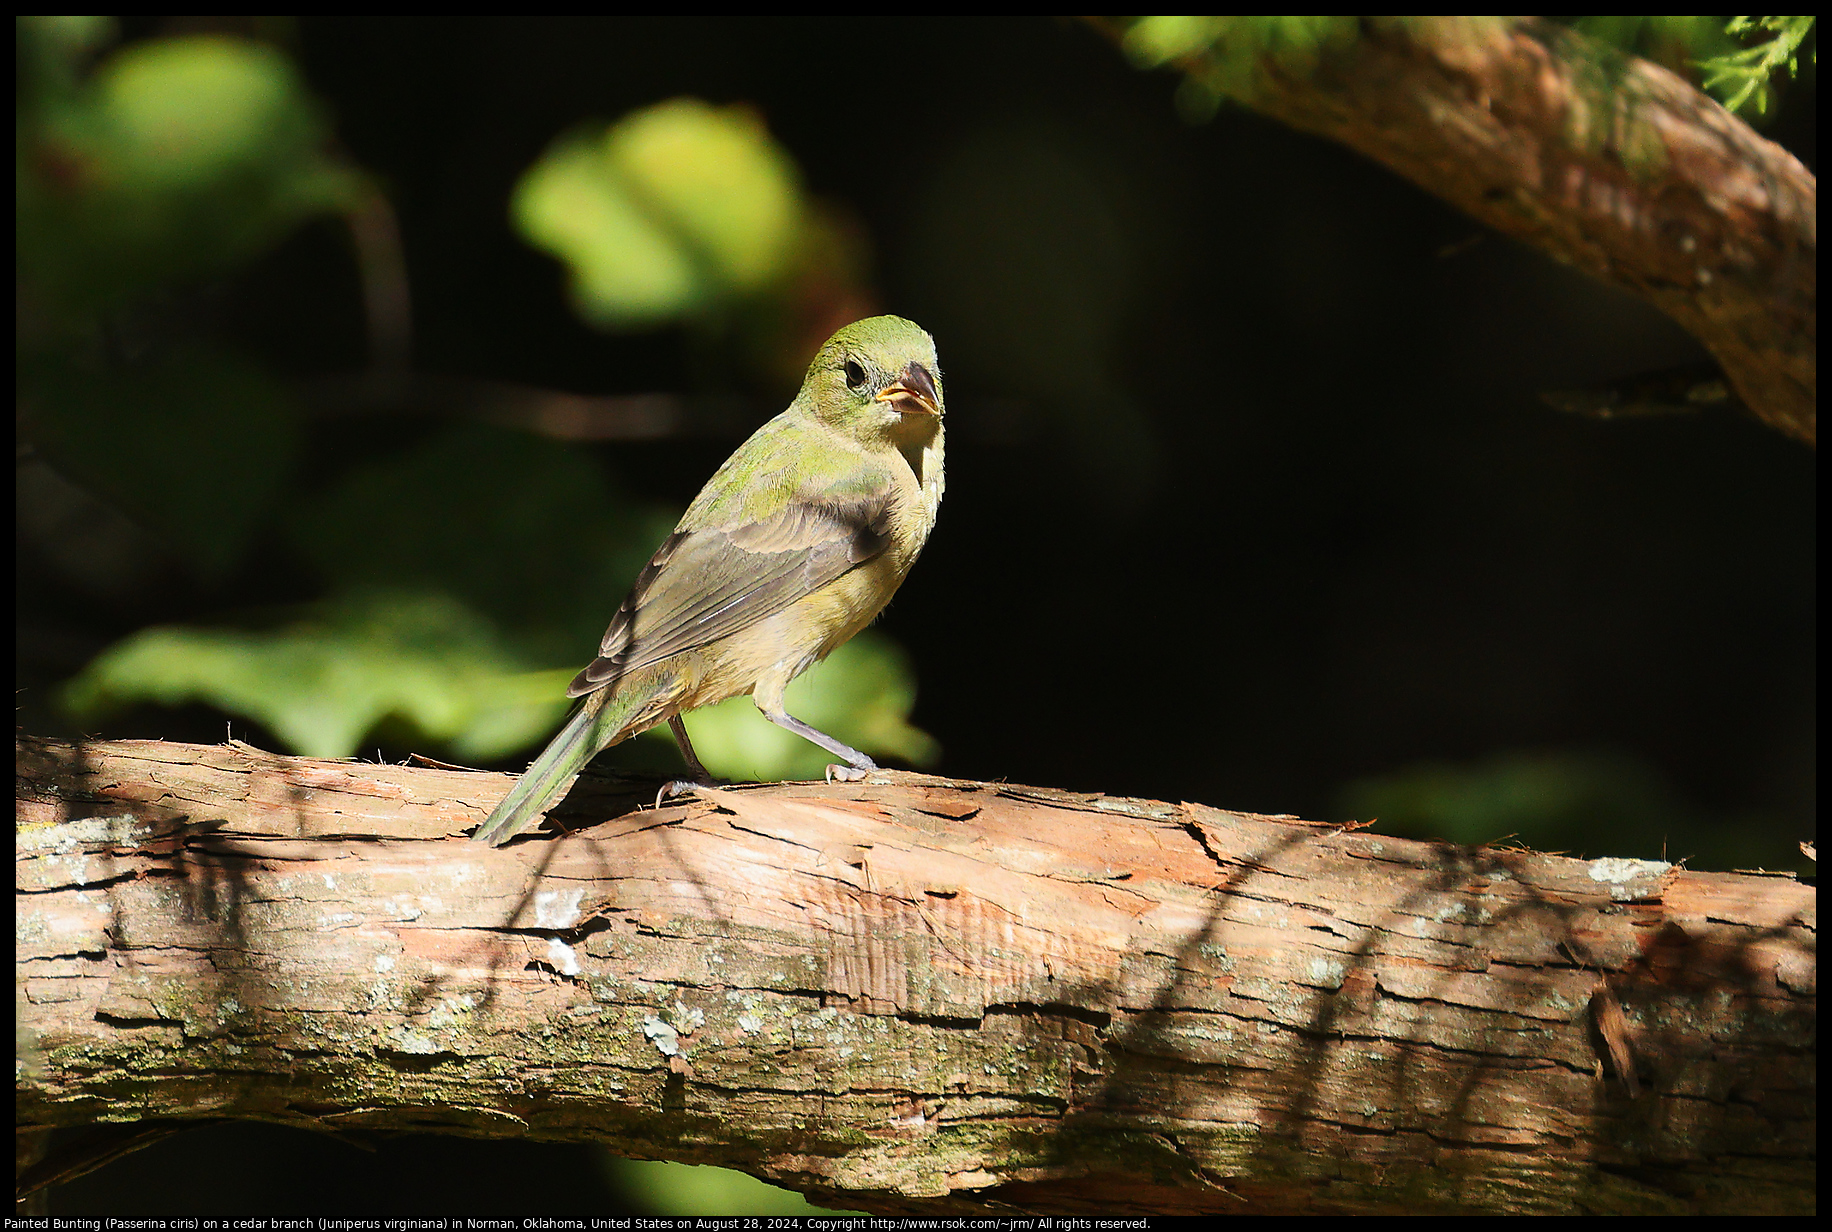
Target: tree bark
(914,994)
(1608,163)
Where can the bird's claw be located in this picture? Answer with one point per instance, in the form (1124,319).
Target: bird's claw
(676,787)
(848,774)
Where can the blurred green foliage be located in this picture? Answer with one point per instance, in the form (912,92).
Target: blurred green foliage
(683,213)
(1589,804)
(1223,57)
(659,1187)
(1737,60)
(672,211)
(166,162)
(460,580)
(174,158)
(338,670)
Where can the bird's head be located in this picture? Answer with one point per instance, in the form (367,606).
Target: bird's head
(878,378)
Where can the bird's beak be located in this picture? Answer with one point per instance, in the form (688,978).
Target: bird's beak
(913,393)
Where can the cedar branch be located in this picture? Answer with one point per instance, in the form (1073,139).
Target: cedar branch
(912,994)
(1608,163)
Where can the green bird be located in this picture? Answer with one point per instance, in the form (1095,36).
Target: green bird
(795,544)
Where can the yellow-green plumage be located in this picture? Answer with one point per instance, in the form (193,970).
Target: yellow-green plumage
(795,544)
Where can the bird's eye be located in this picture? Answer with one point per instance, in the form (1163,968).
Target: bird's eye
(855,375)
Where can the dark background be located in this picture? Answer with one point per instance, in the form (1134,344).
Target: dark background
(1252,498)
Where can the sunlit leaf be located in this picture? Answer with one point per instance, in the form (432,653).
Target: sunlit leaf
(674,211)
(663,1187)
(719,178)
(1225,56)
(1151,41)
(189,113)
(178,157)
(326,680)
(627,270)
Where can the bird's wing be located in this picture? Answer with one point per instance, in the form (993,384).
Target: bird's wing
(706,584)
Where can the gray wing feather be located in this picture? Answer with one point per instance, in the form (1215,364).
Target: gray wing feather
(761,567)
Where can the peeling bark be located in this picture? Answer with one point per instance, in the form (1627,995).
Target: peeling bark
(1608,163)
(914,994)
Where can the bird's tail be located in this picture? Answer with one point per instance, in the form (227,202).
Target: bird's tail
(600,722)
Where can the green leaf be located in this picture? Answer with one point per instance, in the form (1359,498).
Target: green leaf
(1225,57)
(1153,41)
(178,158)
(671,213)
(662,1187)
(324,681)
(627,270)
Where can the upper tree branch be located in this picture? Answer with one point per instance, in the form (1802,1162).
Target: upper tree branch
(1611,164)
(911,993)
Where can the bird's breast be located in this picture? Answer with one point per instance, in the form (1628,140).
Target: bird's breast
(820,622)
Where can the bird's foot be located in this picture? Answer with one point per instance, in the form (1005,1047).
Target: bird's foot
(848,774)
(683,787)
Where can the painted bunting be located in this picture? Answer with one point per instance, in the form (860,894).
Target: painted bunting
(795,544)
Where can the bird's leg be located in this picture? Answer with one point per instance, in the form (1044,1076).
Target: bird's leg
(678,726)
(681,787)
(768,697)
